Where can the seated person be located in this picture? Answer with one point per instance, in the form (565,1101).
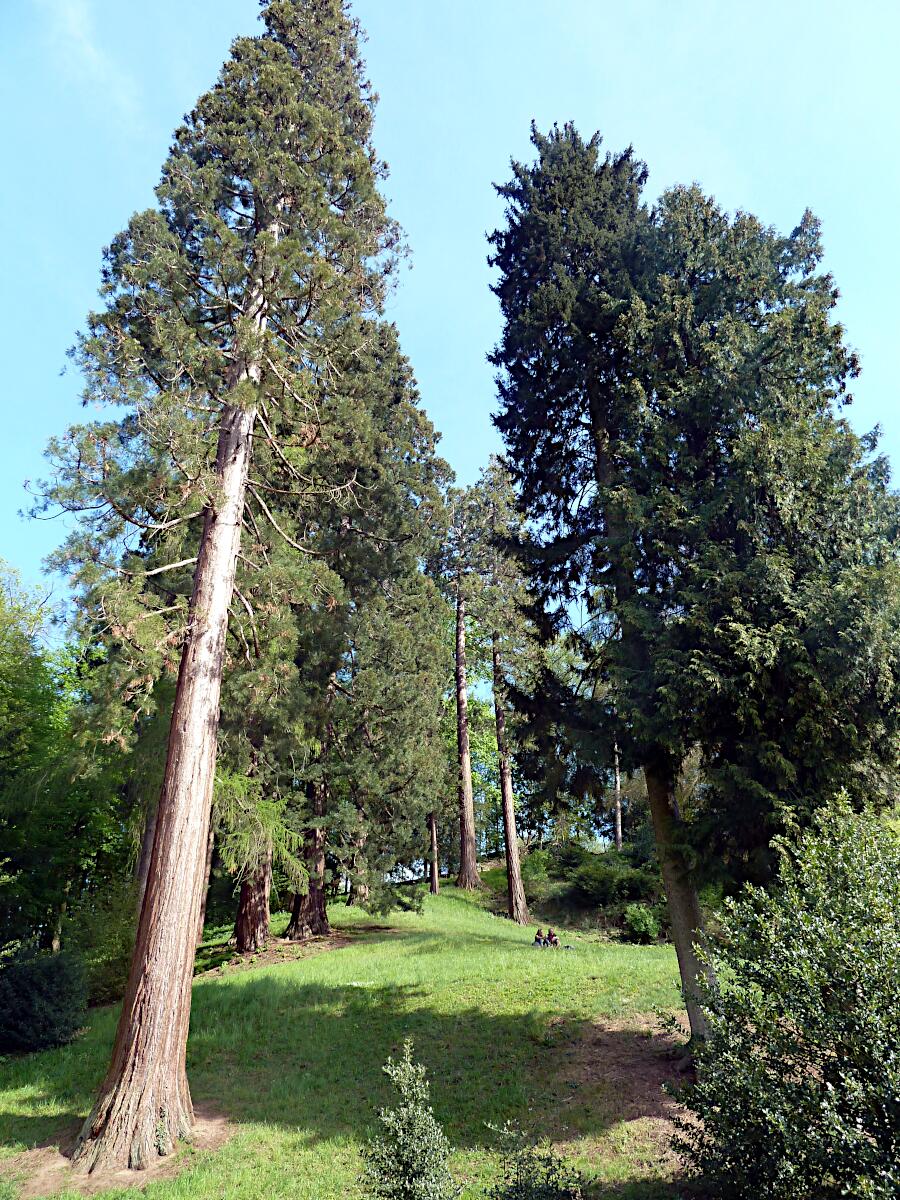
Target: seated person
(552,939)
(539,939)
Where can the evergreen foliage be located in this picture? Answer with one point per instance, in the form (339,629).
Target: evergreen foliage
(408,1161)
(43,1000)
(799,1081)
(533,1172)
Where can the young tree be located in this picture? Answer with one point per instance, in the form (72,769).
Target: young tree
(668,381)
(220,307)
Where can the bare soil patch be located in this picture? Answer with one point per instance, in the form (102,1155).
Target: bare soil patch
(47,1169)
(623,1064)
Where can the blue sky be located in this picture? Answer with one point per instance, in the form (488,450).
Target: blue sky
(771,106)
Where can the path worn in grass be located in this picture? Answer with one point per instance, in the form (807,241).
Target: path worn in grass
(289,1053)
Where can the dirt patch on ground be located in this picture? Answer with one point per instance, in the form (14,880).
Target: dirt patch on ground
(623,1065)
(218,959)
(46,1170)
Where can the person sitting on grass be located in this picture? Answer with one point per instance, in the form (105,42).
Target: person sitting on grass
(539,938)
(552,939)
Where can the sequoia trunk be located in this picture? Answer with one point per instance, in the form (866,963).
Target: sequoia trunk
(144,1105)
(684,907)
(468,877)
(434,872)
(309,916)
(515,891)
(251,929)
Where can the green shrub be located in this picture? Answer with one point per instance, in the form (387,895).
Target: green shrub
(43,998)
(641,923)
(799,1080)
(408,1161)
(533,1172)
(609,879)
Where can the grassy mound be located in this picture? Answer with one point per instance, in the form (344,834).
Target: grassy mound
(291,1053)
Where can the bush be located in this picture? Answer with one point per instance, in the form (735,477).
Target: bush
(43,998)
(409,1160)
(799,1080)
(609,879)
(641,923)
(533,1172)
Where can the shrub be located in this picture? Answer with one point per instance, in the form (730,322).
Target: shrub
(409,1160)
(609,879)
(533,1172)
(43,998)
(641,923)
(799,1080)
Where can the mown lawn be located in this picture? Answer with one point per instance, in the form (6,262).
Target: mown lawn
(292,1055)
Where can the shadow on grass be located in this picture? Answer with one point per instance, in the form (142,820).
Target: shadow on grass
(308,1057)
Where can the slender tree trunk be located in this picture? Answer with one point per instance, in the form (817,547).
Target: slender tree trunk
(684,907)
(468,877)
(309,915)
(617,797)
(515,891)
(144,1105)
(434,872)
(56,939)
(207,868)
(251,929)
(143,863)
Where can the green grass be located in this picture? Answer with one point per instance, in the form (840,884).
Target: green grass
(292,1054)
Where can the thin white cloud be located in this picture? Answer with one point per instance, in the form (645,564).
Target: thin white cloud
(71,31)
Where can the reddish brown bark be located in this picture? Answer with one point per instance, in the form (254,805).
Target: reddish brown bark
(434,875)
(468,877)
(515,891)
(309,915)
(143,863)
(251,929)
(144,1105)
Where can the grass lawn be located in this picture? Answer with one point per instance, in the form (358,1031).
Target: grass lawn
(291,1054)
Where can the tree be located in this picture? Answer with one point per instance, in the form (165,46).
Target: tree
(668,383)
(220,307)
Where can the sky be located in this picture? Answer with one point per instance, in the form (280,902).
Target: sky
(773,107)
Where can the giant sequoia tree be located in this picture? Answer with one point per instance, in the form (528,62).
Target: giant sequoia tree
(221,307)
(668,384)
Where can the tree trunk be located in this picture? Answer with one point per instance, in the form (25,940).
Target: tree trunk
(468,877)
(144,1105)
(143,863)
(515,891)
(434,872)
(309,915)
(251,929)
(684,907)
(617,797)
(207,868)
(56,939)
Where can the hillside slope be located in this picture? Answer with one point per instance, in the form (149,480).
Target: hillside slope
(291,1055)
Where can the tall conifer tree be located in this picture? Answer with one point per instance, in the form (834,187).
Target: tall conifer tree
(222,306)
(668,385)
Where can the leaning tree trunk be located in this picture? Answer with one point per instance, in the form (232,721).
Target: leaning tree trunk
(515,891)
(143,863)
(204,891)
(684,906)
(468,877)
(309,915)
(251,929)
(144,1105)
(617,797)
(434,873)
